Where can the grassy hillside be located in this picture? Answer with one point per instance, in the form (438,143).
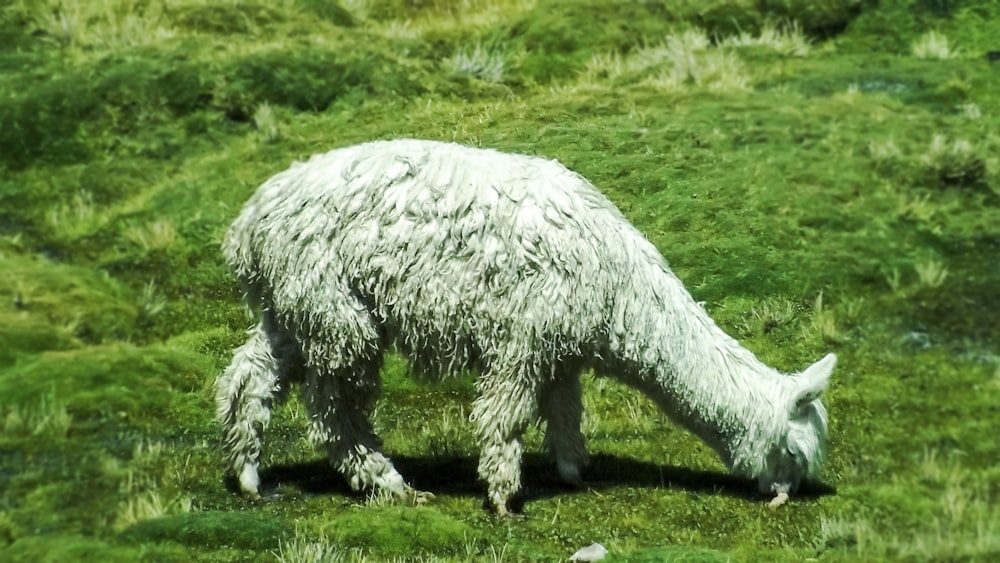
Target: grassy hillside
(824,175)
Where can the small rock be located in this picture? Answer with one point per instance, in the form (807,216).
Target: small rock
(593,552)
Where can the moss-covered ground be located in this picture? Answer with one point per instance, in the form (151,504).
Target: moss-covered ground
(824,175)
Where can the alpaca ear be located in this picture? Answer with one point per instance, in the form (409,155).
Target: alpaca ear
(810,384)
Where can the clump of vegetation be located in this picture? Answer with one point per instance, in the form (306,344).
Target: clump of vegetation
(932,45)
(47,418)
(958,521)
(954,163)
(787,40)
(268,124)
(250,531)
(681,61)
(485,62)
(400,531)
(669,554)
(823,175)
(307,550)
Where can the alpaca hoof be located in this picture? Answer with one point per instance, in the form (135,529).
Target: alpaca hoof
(251,494)
(570,475)
(249,482)
(778,500)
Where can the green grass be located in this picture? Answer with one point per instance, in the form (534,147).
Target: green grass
(823,175)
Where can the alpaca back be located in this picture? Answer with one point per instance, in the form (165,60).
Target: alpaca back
(461,255)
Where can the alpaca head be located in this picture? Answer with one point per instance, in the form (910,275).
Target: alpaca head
(801,451)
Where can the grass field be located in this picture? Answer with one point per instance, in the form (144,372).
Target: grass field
(824,175)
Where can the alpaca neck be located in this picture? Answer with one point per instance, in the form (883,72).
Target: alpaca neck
(667,346)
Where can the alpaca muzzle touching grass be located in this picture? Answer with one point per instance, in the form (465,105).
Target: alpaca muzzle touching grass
(510,265)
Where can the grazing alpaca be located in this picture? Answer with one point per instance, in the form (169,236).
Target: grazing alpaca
(512,265)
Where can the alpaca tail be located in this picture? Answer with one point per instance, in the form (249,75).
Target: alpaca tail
(238,250)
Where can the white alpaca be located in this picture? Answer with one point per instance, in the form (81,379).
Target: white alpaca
(512,265)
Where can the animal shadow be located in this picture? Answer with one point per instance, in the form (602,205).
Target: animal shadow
(456,476)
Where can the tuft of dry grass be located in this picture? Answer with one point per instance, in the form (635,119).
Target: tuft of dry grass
(769,315)
(482,61)
(156,235)
(267,123)
(824,322)
(915,207)
(964,521)
(785,39)
(48,419)
(931,273)
(301,549)
(147,505)
(684,60)
(151,302)
(933,45)
(954,161)
(73,219)
(415,19)
(884,150)
(102,24)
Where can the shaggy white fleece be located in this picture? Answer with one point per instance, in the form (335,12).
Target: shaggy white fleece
(511,265)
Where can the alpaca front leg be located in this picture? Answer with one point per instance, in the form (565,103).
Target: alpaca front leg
(340,422)
(561,406)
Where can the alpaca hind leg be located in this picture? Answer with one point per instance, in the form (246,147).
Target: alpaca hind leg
(340,401)
(504,409)
(244,394)
(561,407)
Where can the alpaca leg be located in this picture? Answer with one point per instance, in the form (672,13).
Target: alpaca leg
(244,394)
(340,403)
(501,414)
(561,406)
